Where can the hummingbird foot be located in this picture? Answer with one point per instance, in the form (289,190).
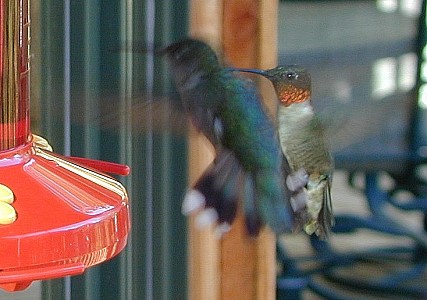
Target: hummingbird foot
(297,180)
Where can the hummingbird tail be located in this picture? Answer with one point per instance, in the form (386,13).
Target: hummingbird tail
(216,192)
(326,216)
(272,201)
(252,216)
(215,196)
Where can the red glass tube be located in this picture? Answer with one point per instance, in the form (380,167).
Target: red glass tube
(14,73)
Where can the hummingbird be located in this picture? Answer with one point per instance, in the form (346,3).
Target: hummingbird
(304,144)
(248,162)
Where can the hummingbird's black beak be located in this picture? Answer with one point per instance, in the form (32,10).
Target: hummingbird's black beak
(253,71)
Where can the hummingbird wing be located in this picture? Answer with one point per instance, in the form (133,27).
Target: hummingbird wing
(160,114)
(326,216)
(347,124)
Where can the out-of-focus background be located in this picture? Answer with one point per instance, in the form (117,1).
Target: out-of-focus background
(361,54)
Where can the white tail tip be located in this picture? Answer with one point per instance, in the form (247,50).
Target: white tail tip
(206,218)
(193,201)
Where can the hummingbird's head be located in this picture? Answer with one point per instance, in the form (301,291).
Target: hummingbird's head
(190,55)
(292,83)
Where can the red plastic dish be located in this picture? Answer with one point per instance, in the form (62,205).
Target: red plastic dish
(69,217)
(64,215)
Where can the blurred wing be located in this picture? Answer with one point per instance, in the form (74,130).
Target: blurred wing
(346,124)
(162,114)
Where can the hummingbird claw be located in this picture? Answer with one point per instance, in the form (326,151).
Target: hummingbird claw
(206,218)
(297,180)
(193,201)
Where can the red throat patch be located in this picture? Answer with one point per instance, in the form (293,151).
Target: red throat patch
(291,94)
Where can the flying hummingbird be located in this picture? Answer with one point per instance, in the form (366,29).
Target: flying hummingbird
(227,109)
(304,145)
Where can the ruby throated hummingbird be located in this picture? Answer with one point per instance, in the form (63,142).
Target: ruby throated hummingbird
(304,144)
(227,109)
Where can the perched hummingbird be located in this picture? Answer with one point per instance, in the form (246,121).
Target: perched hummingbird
(304,145)
(227,109)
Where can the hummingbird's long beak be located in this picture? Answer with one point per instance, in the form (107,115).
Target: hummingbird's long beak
(253,71)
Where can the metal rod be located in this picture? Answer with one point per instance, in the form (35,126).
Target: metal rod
(67,77)
(150,29)
(67,106)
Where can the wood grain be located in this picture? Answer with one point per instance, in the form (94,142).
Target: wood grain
(203,246)
(237,266)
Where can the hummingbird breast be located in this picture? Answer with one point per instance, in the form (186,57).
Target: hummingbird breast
(302,139)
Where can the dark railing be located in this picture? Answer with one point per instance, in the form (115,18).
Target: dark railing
(91,82)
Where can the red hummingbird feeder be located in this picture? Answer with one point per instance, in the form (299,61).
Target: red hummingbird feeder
(58,215)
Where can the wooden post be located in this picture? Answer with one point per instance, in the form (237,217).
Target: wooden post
(235,267)
(203,246)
